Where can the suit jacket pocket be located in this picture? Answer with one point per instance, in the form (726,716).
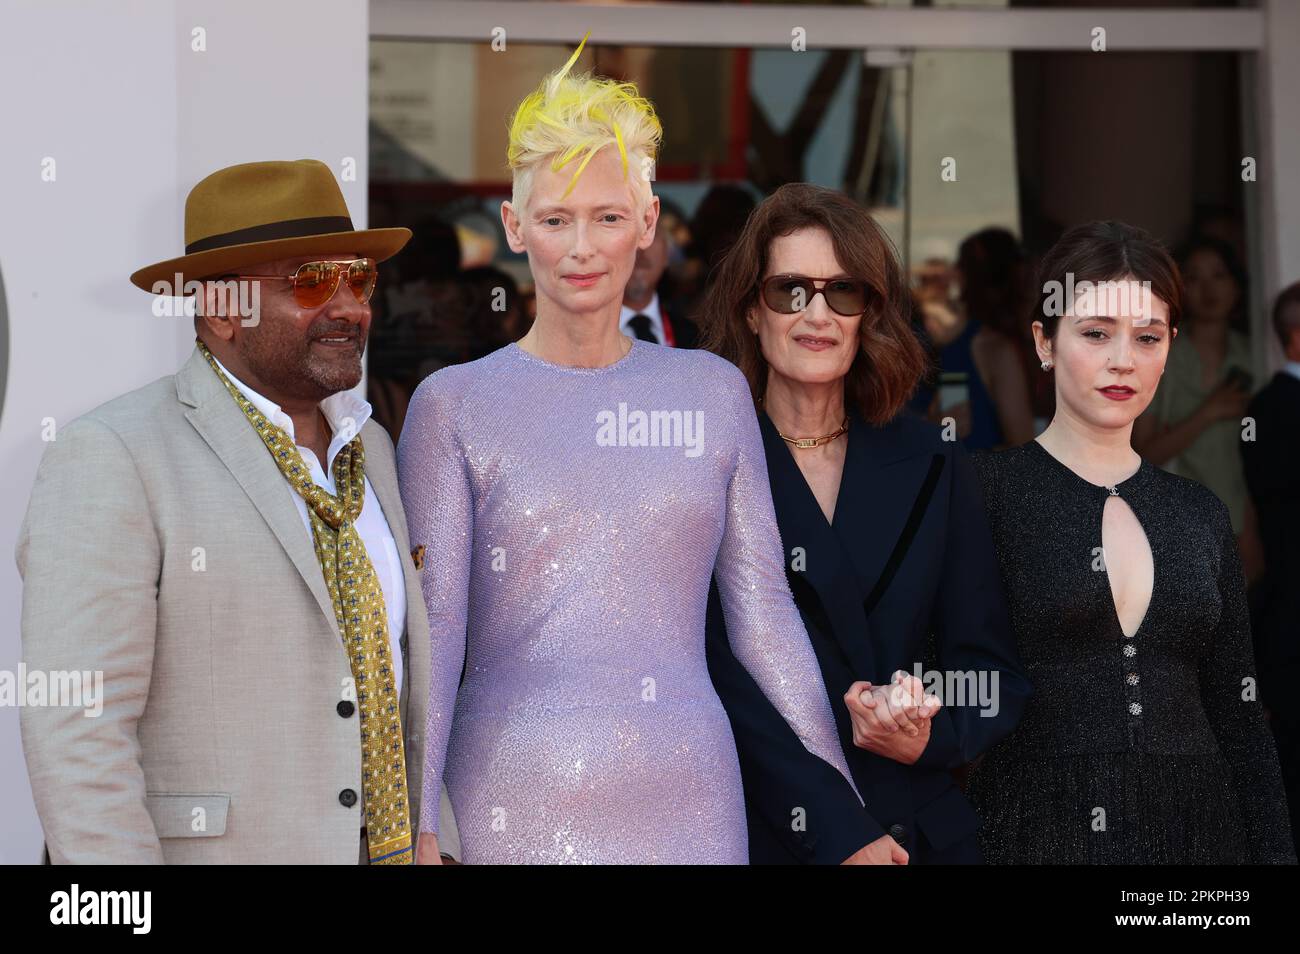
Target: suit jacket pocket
(184,815)
(948,819)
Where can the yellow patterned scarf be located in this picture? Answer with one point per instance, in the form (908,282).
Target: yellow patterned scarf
(363,620)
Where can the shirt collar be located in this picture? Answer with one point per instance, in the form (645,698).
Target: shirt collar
(1292,368)
(651,311)
(340,409)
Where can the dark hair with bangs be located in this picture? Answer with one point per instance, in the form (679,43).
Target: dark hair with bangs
(1106,251)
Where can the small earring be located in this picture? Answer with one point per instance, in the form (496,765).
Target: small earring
(1047,366)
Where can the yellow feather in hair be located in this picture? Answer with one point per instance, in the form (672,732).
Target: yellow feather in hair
(564,70)
(574,181)
(575,115)
(622,150)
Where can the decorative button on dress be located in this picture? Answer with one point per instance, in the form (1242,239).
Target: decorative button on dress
(571,519)
(1142,749)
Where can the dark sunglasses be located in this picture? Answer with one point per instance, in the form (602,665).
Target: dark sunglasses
(790,294)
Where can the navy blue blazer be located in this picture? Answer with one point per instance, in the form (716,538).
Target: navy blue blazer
(905,574)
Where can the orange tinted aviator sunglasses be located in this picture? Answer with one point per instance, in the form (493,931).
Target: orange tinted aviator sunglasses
(314,283)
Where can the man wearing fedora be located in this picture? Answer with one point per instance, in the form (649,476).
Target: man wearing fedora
(227,545)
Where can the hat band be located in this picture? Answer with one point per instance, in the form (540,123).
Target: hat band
(291,228)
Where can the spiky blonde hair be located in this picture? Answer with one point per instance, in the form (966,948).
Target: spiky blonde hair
(571,115)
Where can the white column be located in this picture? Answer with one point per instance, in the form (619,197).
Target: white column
(1277,102)
(117,102)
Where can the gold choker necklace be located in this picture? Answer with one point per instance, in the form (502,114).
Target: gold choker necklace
(814,441)
(806,441)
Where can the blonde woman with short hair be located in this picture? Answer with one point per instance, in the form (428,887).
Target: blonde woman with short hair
(574,493)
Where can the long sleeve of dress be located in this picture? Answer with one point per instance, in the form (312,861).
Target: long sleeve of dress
(764,628)
(438,500)
(1238,719)
(778,770)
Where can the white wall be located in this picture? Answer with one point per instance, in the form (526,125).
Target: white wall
(132,117)
(1278,119)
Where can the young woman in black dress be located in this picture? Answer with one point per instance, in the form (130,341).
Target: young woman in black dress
(1143,742)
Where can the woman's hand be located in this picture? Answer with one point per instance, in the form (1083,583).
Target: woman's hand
(426,849)
(893,720)
(883,851)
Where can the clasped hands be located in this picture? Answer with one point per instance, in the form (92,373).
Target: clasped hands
(892,720)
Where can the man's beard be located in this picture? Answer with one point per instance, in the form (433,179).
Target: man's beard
(295,369)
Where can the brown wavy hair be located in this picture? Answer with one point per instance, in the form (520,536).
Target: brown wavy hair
(890,358)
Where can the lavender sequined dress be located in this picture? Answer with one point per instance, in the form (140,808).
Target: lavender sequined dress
(567,565)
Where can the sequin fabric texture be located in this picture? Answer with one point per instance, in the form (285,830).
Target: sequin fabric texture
(1142,749)
(568,566)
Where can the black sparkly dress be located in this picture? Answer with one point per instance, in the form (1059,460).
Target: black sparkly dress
(1147,749)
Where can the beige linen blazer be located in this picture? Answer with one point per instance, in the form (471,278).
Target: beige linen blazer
(162,546)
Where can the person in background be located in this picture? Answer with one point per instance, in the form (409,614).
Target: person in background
(425,288)
(494,309)
(718,219)
(936,321)
(644,315)
(932,303)
(1193,427)
(1272,467)
(997,410)
(419,321)
(923,397)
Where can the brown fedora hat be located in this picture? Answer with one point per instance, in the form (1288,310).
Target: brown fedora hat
(262,211)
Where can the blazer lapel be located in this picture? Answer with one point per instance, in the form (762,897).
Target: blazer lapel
(223,426)
(826,571)
(885,491)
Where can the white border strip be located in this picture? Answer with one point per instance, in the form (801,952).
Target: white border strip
(764,26)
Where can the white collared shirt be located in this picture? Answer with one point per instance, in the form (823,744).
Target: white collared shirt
(1292,368)
(346,414)
(651,311)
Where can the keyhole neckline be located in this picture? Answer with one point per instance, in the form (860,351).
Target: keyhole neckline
(1110,589)
(1103,492)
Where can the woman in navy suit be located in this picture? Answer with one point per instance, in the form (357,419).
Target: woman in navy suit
(887,548)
